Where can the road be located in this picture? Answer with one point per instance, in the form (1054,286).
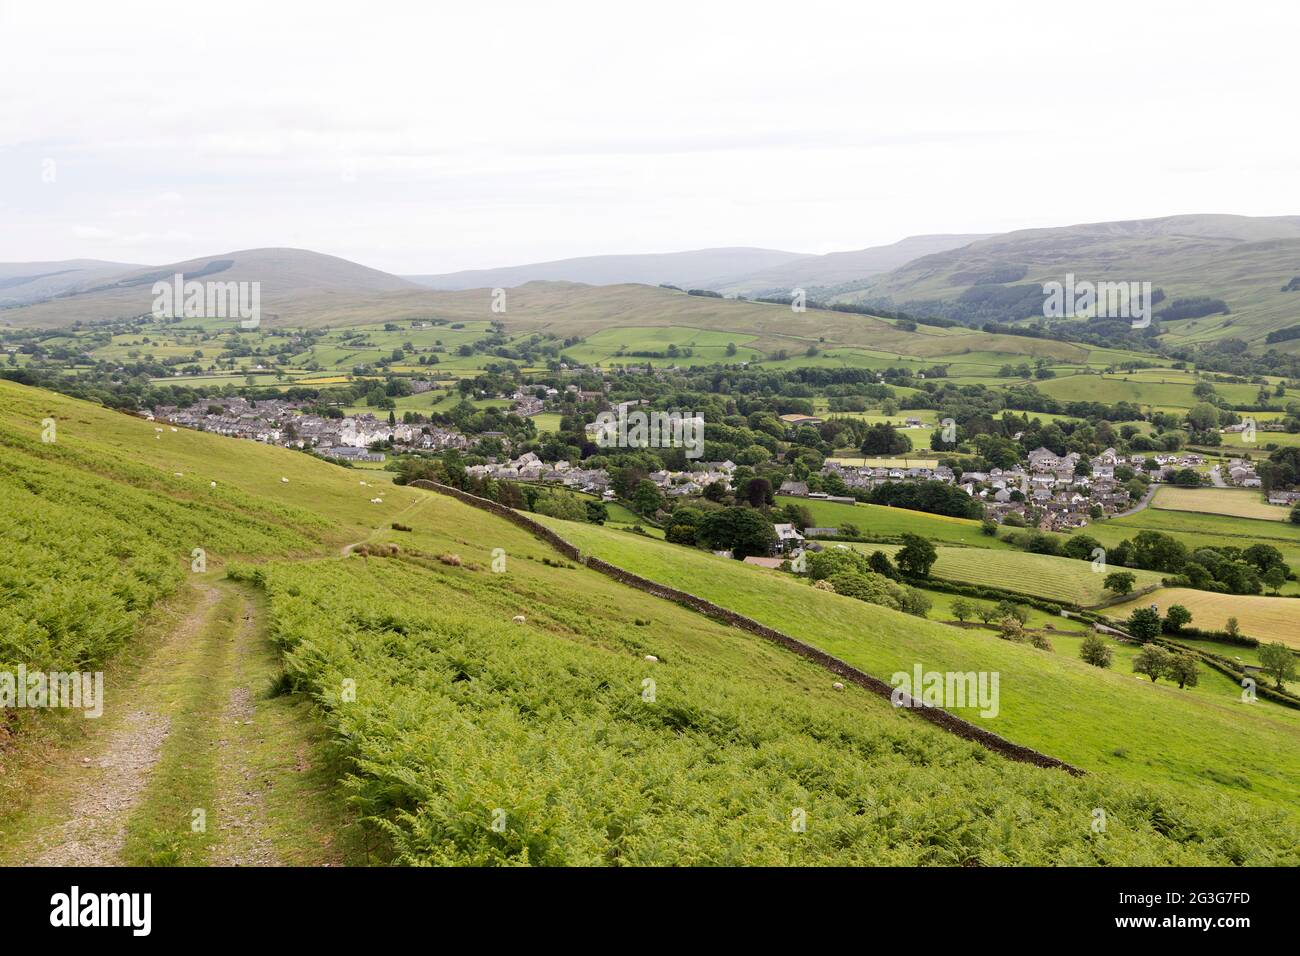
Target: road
(1142,503)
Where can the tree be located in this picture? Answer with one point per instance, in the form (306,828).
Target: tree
(1095,651)
(917,556)
(1275,578)
(879,562)
(1277,661)
(742,531)
(963,610)
(883,439)
(1232,627)
(597,513)
(1144,624)
(1153,661)
(758,492)
(1295,513)
(1176,618)
(1008,611)
(988,613)
(1121,582)
(1182,668)
(646,498)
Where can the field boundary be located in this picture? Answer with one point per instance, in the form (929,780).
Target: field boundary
(935,715)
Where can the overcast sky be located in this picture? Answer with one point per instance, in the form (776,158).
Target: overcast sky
(429,137)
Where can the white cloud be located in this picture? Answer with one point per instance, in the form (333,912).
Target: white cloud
(418,138)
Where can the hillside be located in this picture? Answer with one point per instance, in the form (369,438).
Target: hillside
(452,718)
(1102,721)
(296,284)
(699,268)
(835,269)
(1243,260)
(25,282)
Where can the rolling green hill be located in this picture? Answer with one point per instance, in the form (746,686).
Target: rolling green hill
(472,738)
(1105,721)
(1242,260)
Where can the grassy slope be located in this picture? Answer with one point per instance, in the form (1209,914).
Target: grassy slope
(1196,530)
(878,521)
(459,711)
(1233,502)
(1067,580)
(1099,720)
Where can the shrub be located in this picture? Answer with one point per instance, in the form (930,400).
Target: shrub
(1095,651)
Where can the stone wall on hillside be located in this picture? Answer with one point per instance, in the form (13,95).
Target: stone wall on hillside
(935,715)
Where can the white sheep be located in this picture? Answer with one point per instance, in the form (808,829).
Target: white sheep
(285,480)
(652,659)
(518,619)
(838,686)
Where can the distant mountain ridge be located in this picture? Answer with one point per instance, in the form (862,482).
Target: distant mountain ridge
(25,282)
(1244,261)
(740,270)
(705,268)
(291,280)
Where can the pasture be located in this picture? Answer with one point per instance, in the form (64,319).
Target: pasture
(1233,502)
(1266,619)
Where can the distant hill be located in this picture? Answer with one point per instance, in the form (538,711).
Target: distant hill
(295,284)
(835,269)
(702,268)
(25,282)
(1244,261)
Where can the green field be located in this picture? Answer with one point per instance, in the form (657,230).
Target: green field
(1234,502)
(1066,580)
(1267,619)
(1103,721)
(882,522)
(462,717)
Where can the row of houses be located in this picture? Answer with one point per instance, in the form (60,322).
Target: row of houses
(282,422)
(528,467)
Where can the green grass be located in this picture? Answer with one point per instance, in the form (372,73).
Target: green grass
(1196,530)
(1234,502)
(1102,721)
(1066,580)
(884,523)
(458,711)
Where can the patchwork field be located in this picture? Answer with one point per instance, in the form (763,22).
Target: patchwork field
(1266,619)
(1196,529)
(1237,503)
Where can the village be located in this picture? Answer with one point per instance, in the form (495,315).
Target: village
(284,423)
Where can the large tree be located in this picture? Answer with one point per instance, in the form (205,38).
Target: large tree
(883,439)
(917,556)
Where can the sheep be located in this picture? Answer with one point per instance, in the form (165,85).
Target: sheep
(652,659)
(838,686)
(285,480)
(518,619)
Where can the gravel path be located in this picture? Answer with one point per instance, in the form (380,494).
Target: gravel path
(95,831)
